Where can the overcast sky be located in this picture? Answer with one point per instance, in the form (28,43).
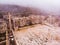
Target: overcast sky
(48,5)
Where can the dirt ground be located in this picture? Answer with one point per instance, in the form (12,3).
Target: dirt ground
(38,35)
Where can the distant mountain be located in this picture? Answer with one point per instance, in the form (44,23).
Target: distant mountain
(11,8)
(15,9)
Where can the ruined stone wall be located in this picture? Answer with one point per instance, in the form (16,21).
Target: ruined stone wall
(35,19)
(3,27)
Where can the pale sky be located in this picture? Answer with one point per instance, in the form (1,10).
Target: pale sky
(48,5)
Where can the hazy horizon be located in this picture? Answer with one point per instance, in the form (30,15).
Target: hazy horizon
(47,5)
